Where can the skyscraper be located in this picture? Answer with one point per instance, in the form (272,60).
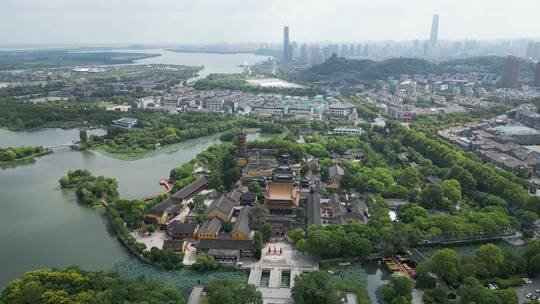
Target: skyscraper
(287,50)
(432,47)
(537,78)
(435,29)
(510,75)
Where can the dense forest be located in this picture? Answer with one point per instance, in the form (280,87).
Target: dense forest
(19,116)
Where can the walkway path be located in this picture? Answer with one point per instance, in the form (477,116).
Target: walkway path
(168,188)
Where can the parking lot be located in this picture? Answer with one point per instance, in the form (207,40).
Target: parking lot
(528,288)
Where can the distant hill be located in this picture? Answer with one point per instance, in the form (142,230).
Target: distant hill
(398,66)
(337,67)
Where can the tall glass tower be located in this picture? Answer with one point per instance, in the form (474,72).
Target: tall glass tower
(287,50)
(435,29)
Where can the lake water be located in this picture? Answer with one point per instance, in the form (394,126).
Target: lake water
(213,63)
(43,226)
(375,279)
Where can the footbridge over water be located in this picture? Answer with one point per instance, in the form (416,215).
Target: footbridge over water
(71,145)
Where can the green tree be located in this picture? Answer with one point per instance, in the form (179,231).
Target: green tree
(424,278)
(445,262)
(258,213)
(431,196)
(226,226)
(258,244)
(83,136)
(435,296)
(397,290)
(75,286)
(9,155)
(409,178)
(197,203)
(266,232)
(296,235)
(408,213)
(254,187)
(465,178)
(473,291)
(229,291)
(532,254)
(452,190)
(313,288)
(205,262)
(491,257)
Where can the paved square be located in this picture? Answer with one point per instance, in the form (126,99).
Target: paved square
(279,260)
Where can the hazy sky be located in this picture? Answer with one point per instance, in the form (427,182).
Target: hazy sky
(186,21)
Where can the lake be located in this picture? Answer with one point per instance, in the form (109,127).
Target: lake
(213,63)
(44,226)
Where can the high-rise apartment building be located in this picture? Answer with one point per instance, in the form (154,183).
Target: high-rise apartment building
(287,50)
(510,75)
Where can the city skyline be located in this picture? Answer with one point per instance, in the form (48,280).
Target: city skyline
(167,21)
